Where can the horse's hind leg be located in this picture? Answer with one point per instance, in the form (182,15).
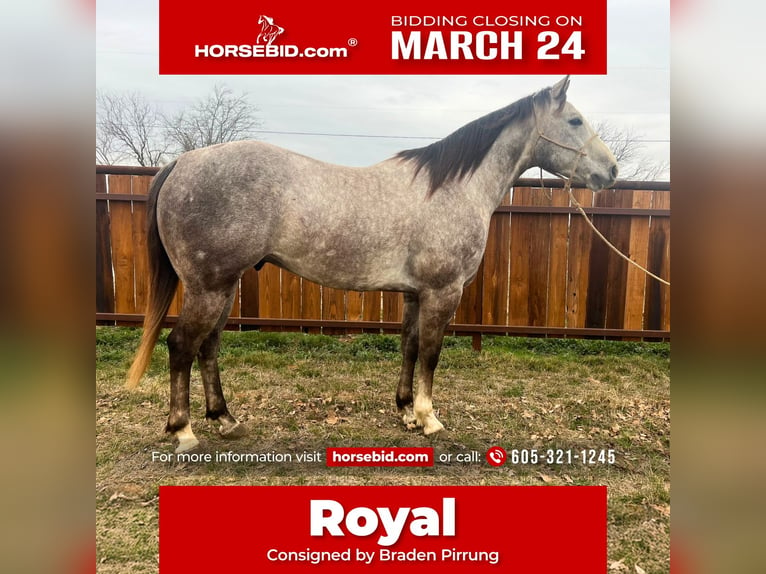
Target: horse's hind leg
(216,410)
(436,309)
(409,358)
(200,313)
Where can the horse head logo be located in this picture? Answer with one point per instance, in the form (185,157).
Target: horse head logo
(269,30)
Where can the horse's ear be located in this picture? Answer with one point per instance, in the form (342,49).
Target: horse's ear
(559,91)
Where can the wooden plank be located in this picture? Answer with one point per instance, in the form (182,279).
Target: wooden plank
(617,275)
(333,308)
(311,303)
(354,308)
(249,297)
(469,310)
(122,246)
(269,295)
(372,308)
(557,262)
(522,230)
(657,302)
(236,309)
(104,278)
(638,252)
(139,185)
(290,293)
(664,201)
(539,258)
(598,271)
(178,300)
(578,263)
(564,210)
(494,282)
(393,305)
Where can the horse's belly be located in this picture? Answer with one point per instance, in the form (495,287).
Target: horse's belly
(342,273)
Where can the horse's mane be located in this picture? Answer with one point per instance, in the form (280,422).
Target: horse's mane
(461,153)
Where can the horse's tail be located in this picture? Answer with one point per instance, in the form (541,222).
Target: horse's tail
(163,281)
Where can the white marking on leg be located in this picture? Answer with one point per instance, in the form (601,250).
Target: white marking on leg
(432,425)
(408,417)
(424,415)
(186,439)
(423,408)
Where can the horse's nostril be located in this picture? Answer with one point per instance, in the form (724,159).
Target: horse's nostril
(615,171)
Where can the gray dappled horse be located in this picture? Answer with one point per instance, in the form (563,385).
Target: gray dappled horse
(415,223)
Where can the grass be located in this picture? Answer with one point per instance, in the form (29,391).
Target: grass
(299,392)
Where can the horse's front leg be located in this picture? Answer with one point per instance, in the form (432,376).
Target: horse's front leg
(436,310)
(409,358)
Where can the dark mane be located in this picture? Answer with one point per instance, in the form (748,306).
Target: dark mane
(461,153)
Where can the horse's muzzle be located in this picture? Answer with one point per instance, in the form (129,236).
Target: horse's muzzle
(597,181)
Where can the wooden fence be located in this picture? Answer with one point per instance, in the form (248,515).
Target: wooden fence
(544,272)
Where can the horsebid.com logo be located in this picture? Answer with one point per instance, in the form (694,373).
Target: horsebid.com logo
(264,46)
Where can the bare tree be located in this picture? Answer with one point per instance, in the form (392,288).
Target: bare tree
(128,128)
(221,117)
(630,153)
(106,147)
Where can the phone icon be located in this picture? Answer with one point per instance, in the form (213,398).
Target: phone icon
(496,456)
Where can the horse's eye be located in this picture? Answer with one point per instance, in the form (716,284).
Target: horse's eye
(575,122)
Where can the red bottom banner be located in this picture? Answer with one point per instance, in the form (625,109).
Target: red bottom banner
(339,529)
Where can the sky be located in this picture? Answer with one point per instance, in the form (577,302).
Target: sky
(633,95)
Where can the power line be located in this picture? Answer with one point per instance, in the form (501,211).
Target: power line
(393,137)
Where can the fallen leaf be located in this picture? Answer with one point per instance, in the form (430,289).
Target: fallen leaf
(334,420)
(640,570)
(544,477)
(617,565)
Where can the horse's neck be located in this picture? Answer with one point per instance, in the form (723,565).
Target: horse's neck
(510,156)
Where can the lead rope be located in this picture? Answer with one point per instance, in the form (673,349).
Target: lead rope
(568,187)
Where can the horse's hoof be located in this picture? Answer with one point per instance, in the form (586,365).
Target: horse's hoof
(186,440)
(186,444)
(232,431)
(432,426)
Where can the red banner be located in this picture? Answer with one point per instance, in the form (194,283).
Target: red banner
(395,37)
(546,529)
